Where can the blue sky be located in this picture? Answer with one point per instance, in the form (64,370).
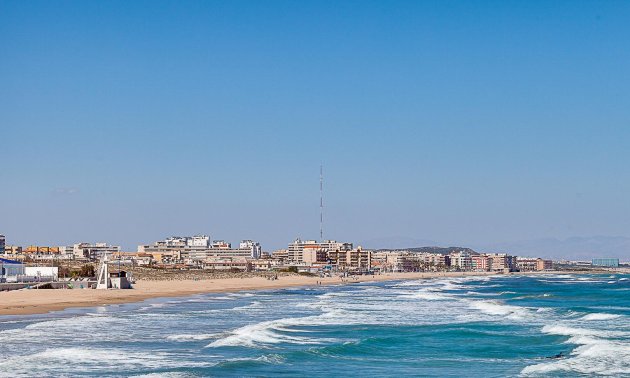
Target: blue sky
(455,122)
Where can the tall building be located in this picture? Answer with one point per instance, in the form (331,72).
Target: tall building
(502,262)
(297,247)
(254,247)
(2,244)
(481,263)
(462,260)
(350,260)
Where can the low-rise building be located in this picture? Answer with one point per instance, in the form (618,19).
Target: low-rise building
(12,250)
(530,264)
(10,270)
(199,248)
(227,263)
(610,263)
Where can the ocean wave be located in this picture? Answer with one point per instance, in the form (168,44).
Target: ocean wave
(165,374)
(193,337)
(563,330)
(265,333)
(482,294)
(86,360)
(497,308)
(594,355)
(600,316)
(428,295)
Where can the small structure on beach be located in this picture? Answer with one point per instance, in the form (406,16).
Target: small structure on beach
(111,280)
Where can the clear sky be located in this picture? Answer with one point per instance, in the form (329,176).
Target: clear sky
(453,121)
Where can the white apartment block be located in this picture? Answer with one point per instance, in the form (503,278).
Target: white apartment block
(200,248)
(93,251)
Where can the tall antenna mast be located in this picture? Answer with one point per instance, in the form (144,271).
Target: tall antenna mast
(321,203)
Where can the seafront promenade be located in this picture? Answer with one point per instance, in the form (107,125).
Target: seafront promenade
(22,302)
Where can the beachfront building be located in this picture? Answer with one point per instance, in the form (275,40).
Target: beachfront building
(10,270)
(41,273)
(461,260)
(502,262)
(526,264)
(227,263)
(610,263)
(435,261)
(295,250)
(313,255)
(354,260)
(93,252)
(530,264)
(403,261)
(281,255)
(481,263)
(2,243)
(195,249)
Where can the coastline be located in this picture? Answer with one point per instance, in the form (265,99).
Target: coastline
(30,302)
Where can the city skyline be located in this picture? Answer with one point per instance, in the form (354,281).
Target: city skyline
(453,123)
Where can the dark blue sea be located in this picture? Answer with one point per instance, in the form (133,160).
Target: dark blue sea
(543,325)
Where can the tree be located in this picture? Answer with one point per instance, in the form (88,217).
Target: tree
(88,270)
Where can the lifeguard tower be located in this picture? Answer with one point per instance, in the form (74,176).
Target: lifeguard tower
(114,280)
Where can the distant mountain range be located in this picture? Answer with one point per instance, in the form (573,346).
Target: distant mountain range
(574,248)
(442,250)
(395,242)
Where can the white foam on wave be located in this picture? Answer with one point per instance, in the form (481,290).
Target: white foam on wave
(409,283)
(241,295)
(265,333)
(428,295)
(248,307)
(623,279)
(558,329)
(86,360)
(165,374)
(482,294)
(497,308)
(594,354)
(558,276)
(193,337)
(600,316)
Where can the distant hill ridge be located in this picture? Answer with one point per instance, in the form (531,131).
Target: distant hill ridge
(440,250)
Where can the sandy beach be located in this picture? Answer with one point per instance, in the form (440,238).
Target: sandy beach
(21,302)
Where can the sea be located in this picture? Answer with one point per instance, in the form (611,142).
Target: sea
(553,325)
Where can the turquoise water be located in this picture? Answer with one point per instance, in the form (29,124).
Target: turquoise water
(475,327)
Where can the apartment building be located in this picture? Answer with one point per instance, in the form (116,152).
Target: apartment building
(295,250)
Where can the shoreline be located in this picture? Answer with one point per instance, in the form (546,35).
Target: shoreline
(34,301)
